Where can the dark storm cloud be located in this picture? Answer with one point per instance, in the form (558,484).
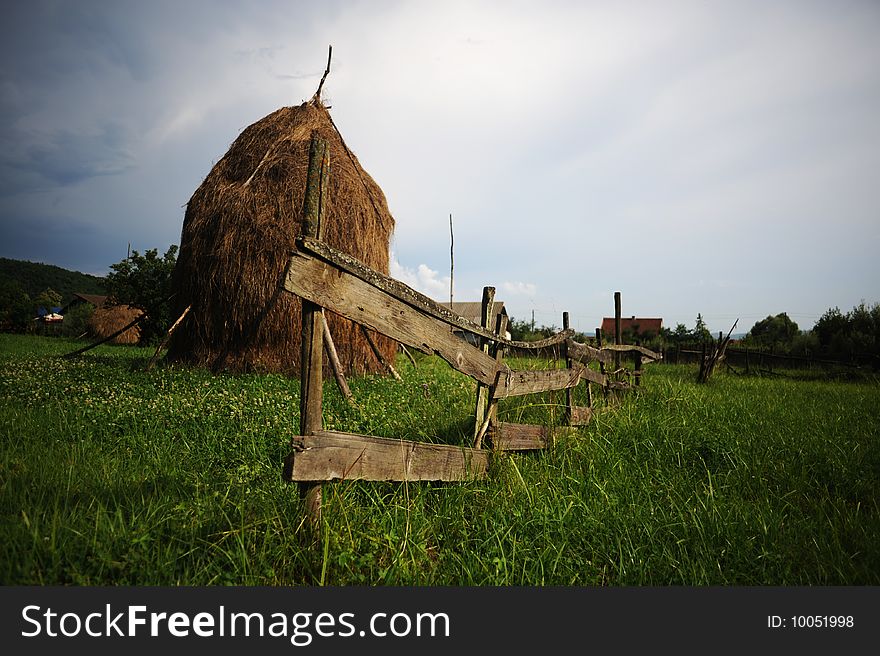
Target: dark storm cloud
(47,44)
(50,52)
(61,157)
(64,241)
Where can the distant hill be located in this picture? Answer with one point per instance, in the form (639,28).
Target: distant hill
(34,278)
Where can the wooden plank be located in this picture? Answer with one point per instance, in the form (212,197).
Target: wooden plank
(330,455)
(632,348)
(586,354)
(580,415)
(506,436)
(593,376)
(331,287)
(530,382)
(414,299)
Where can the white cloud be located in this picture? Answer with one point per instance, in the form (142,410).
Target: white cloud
(423,279)
(517,288)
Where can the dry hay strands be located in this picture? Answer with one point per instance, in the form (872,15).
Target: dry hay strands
(106,321)
(239,230)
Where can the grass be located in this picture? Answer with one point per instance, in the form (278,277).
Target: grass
(110,476)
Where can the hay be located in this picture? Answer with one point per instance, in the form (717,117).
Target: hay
(107,319)
(238,231)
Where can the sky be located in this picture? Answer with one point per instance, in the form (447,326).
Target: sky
(720,158)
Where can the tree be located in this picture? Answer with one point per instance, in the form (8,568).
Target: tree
(852,336)
(832,323)
(701,332)
(775,332)
(681,334)
(47,299)
(144,282)
(76,320)
(519,329)
(523,331)
(15,307)
(805,344)
(864,328)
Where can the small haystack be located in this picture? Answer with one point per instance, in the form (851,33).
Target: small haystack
(107,319)
(238,233)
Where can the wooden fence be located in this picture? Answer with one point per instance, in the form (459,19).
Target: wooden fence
(759,360)
(327,278)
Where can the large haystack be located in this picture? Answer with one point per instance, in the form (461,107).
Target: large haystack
(239,230)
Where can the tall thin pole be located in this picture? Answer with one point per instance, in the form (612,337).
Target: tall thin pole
(451,260)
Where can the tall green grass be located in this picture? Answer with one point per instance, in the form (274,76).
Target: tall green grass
(110,475)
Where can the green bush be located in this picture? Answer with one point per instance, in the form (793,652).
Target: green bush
(76,320)
(15,307)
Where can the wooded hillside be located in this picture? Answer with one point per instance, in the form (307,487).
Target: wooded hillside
(34,277)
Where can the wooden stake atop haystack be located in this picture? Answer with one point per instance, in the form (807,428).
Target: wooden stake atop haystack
(713,356)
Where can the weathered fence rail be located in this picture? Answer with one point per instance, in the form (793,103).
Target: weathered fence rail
(327,278)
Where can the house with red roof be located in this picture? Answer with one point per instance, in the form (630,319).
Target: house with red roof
(639,327)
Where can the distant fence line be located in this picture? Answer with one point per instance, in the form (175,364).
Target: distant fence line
(760,359)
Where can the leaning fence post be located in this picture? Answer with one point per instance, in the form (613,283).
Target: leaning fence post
(311,346)
(378,354)
(487,311)
(335,364)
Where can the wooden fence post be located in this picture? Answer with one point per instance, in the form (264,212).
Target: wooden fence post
(638,366)
(702,361)
(618,337)
(491,414)
(602,365)
(568,363)
(487,311)
(311,347)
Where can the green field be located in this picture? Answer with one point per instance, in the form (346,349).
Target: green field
(113,476)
